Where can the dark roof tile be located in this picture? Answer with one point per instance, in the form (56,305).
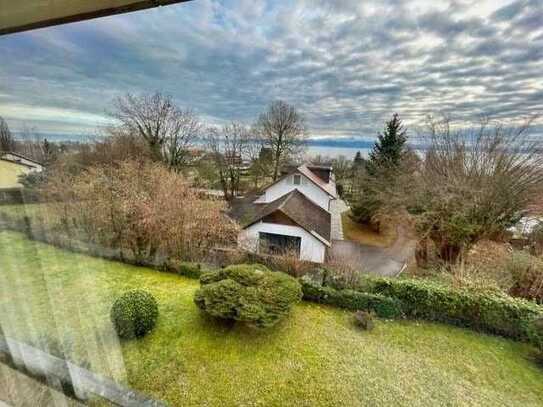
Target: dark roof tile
(300,209)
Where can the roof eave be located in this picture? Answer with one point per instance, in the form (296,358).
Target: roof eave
(320,238)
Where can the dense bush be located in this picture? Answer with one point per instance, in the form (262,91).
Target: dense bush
(190,270)
(248,293)
(134,314)
(489,312)
(383,307)
(536,335)
(364,320)
(142,209)
(527,275)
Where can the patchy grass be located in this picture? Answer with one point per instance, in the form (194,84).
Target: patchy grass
(315,357)
(364,233)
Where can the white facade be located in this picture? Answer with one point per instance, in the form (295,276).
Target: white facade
(305,186)
(311,248)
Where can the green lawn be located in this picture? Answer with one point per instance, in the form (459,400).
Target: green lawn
(315,358)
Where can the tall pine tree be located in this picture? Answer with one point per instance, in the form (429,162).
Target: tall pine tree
(386,154)
(390,146)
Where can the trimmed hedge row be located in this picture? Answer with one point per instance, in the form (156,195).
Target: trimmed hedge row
(383,307)
(488,312)
(183,268)
(190,270)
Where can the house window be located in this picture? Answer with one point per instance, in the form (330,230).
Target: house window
(297,179)
(272,243)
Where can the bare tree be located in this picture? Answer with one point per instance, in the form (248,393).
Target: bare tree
(178,142)
(7,143)
(168,130)
(228,146)
(33,145)
(261,160)
(282,129)
(473,183)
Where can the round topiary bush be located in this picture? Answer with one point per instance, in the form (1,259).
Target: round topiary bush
(250,293)
(134,314)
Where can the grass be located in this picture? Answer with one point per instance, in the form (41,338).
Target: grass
(317,357)
(364,233)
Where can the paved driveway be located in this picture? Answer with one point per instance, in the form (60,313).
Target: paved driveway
(388,261)
(337,207)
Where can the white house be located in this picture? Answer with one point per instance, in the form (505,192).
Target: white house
(293,214)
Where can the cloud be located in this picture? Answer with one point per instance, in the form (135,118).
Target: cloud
(346,65)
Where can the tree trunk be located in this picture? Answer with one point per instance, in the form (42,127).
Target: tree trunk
(277,157)
(449,253)
(421,253)
(276,168)
(156,150)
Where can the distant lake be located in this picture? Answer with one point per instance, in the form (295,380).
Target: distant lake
(328,147)
(333,152)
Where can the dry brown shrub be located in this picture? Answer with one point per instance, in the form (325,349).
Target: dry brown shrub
(141,208)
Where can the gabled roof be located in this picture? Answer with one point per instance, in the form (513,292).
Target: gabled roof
(301,210)
(329,188)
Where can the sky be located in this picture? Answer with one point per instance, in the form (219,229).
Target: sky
(345,65)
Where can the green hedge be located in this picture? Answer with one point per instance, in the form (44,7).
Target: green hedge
(489,312)
(183,268)
(190,270)
(383,307)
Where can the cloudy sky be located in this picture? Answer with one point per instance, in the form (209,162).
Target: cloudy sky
(347,65)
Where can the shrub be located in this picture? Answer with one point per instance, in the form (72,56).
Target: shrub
(383,307)
(527,274)
(134,314)
(143,190)
(341,276)
(536,337)
(190,270)
(364,320)
(249,293)
(490,312)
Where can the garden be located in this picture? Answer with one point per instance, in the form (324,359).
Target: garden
(315,356)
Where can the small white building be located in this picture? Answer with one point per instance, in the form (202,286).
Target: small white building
(293,215)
